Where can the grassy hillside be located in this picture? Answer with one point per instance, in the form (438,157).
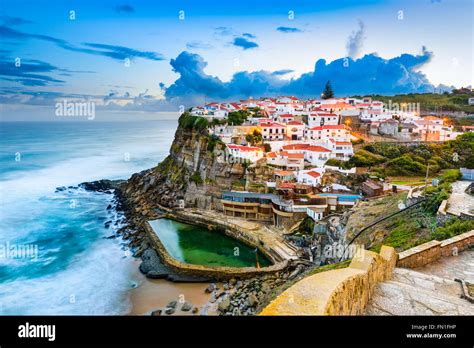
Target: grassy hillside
(400,160)
(432,102)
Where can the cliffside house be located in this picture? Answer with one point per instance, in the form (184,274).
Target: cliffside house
(287,160)
(310,177)
(249,153)
(248,205)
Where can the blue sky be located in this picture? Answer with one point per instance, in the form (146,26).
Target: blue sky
(184,52)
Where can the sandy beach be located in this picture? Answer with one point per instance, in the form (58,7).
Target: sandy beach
(153,294)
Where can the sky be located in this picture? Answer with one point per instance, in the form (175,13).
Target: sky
(153,56)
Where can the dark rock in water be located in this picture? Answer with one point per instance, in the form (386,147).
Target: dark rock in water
(107,224)
(59,189)
(101,185)
(169,310)
(186,307)
(150,261)
(109,207)
(110,237)
(156,313)
(172,304)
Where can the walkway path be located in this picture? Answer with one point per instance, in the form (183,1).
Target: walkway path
(430,290)
(459,201)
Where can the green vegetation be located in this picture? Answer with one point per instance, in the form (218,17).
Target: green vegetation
(236,118)
(306,227)
(196,178)
(187,121)
(401,160)
(213,140)
(419,225)
(452,228)
(254,138)
(328,92)
(267,147)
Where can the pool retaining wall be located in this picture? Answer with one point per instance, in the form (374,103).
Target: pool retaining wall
(215,272)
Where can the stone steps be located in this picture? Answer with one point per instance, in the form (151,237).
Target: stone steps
(414,293)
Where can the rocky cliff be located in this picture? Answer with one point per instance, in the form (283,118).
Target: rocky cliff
(196,171)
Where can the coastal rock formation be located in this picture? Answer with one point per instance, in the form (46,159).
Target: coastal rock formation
(194,174)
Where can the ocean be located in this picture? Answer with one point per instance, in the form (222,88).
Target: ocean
(54,254)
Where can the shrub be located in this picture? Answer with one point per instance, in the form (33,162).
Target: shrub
(187,121)
(450,175)
(196,178)
(405,165)
(452,228)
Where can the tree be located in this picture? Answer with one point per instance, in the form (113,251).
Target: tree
(328,92)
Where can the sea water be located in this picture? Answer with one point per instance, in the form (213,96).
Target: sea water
(55,257)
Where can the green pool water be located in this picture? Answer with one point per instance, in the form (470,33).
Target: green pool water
(197,245)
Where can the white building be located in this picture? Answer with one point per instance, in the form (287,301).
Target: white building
(323,133)
(321,118)
(374,115)
(290,161)
(295,130)
(272,130)
(250,153)
(309,177)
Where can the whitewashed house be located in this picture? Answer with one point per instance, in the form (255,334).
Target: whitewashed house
(249,153)
(321,118)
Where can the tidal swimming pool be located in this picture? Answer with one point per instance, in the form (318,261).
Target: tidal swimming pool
(197,245)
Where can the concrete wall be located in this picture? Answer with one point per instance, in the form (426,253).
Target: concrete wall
(218,273)
(343,291)
(431,251)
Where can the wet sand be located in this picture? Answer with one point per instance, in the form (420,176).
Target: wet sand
(153,294)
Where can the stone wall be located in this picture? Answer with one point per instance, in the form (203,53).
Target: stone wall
(218,273)
(431,251)
(343,291)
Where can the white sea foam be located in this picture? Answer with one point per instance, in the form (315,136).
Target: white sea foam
(94,279)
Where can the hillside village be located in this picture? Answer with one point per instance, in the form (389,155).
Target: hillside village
(306,143)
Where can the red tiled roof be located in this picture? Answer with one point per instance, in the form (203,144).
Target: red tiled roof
(271,124)
(291,155)
(295,146)
(317,148)
(295,123)
(313,174)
